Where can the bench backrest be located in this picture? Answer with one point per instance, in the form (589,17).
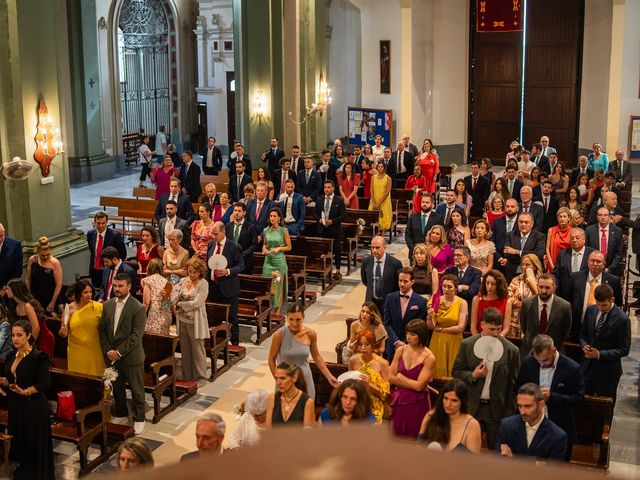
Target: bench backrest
(158,347)
(254,286)
(323,387)
(592,416)
(295,263)
(312,247)
(135,204)
(87,389)
(60,345)
(401,194)
(217,313)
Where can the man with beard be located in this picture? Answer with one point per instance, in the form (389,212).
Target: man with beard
(420,223)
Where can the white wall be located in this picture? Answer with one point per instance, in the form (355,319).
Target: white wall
(630,101)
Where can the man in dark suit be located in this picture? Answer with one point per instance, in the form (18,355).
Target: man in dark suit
(400,166)
(560,380)
(10,260)
(605,338)
(527,205)
(544,313)
(491,404)
(211,196)
(513,184)
(240,157)
(258,209)
(621,169)
(281,176)
(420,223)
(293,208)
(309,182)
(410,147)
(211,158)
(479,188)
(172,222)
(468,277)
(98,239)
(190,177)
(329,213)
(238,181)
(183,203)
(581,168)
(325,169)
(571,260)
(502,227)
(121,329)
(541,161)
(399,309)
(520,242)
(272,157)
(531,433)
(224,284)
(609,201)
(583,287)
(606,237)
(297,162)
(243,232)
(113,265)
(358,156)
(210,429)
(379,273)
(447,208)
(550,207)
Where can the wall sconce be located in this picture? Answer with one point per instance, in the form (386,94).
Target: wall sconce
(258,106)
(48,141)
(323,101)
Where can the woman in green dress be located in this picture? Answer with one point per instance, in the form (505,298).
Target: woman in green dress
(275,242)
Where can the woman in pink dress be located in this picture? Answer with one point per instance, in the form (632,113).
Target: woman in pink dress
(348,181)
(440,251)
(428,161)
(418,183)
(161,176)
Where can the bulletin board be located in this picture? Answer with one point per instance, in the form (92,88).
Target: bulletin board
(366,123)
(634,137)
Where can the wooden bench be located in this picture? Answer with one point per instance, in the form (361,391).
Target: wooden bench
(593,423)
(371,227)
(297,278)
(405,203)
(350,233)
(319,253)
(144,192)
(160,372)
(217,346)
(254,304)
(363,203)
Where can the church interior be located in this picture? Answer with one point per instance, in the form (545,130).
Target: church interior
(82,82)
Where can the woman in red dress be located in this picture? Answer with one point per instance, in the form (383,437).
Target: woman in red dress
(494,292)
(148,249)
(418,183)
(428,161)
(558,237)
(348,181)
(368,172)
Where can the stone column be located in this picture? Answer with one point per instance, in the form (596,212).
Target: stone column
(32,61)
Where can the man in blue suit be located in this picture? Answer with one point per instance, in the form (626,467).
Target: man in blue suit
(98,239)
(238,181)
(293,208)
(258,209)
(10,260)
(224,284)
(531,433)
(448,207)
(605,339)
(468,277)
(309,182)
(560,380)
(513,184)
(399,309)
(114,265)
(183,202)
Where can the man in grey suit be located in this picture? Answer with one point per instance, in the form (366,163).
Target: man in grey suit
(621,169)
(121,329)
(545,313)
(490,383)
(379,273)
(173,222)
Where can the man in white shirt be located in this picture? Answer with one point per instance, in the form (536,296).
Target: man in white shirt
(571,260)
(525,165)
(161,144)
(297,163)
(546,149)
(144,156)
(530,433)
(293,208)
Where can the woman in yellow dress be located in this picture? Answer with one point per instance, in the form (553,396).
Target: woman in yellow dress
(80,324)
(381,197)
(447,319)
(374,370)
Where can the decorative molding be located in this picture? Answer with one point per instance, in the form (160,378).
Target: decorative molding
(209,90)
(102,24)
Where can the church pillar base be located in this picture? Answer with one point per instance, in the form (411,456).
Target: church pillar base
(70,248)
(91,169)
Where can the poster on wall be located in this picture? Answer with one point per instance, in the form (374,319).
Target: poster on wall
(365,123)
(634,137)
(385,66)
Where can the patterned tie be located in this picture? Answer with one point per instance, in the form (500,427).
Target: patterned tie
(448,216)
(603,242)
(258,210)
(526,208)
(377,281)
(600,324)
(98,262)
(542,326)
(327,206)
(575,266)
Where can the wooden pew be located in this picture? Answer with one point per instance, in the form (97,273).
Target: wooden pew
(350,233)
(371,226)
(340,345)
(59,359)
(217,346)
(319,253)
(363,203)
(160,372)
(593,423)
(254,305)
(297,278)
(89,419)
(405,203)
(144,192)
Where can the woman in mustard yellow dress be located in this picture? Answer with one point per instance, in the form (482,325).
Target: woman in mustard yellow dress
(374,370)
(447,319)
(84,354)
(381,197)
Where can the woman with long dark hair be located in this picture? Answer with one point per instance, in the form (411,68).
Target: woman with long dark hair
(347,403)
(290,404)
(449,426)
(275,242)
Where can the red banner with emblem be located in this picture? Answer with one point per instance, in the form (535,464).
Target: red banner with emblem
(499,15)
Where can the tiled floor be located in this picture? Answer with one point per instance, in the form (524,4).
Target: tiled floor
(174,435)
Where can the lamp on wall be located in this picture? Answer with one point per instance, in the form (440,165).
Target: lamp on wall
(258,106)
(48,141)
(321,104)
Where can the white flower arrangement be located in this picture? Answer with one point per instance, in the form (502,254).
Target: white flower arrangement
(361,223)
(109,376)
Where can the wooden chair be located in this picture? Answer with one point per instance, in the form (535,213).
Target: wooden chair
(160,372)
(319,253)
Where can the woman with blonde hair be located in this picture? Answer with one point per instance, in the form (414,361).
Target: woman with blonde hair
(44,276)
(481,246)
(425,276)
(522,287)
(370,320)
(558,237)
(134,454)
(440,251)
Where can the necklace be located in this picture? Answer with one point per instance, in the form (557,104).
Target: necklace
(146,252)
(287,403)
(23,353)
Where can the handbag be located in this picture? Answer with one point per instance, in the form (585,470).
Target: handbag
(66,405)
